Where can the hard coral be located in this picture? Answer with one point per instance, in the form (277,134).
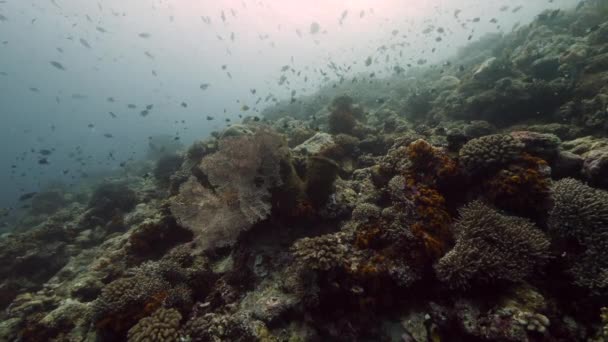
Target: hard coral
(110,199)
(124,301)
(166,166)
(343,116)
(323,252)
(161,326)
(522,188)
(491,247)
(320,176)
(580,218)
(488,153)
(429,169)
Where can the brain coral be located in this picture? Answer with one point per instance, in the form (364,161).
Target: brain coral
(489,152)
(162,326)
(491,247)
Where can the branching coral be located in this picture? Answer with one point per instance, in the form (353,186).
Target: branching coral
(324,252)
(161,326)
(221,327)
(492,247)
(580,215)
(489,153)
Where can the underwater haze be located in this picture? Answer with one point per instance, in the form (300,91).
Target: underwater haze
(113,54)
(290,171)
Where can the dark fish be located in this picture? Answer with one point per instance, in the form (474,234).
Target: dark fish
(45,152)
(112,115)
(131,106)
(3,18)
(91,126)
(57,65)
(43,161)
(209,118)
(27,196)
(108,135)
(100,29)
(149,55)
(85,43)
(79,96)
(34,89)
(110,99)
(476,20)
(176,138)
(184,104)
(144,113)
(144,35)
(149,107)
(204,86)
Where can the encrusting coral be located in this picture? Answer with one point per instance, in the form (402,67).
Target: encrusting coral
(429,169)
(492,247)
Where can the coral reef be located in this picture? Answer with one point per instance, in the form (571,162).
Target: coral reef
(111,199)
(487,153)
(579,218)
(492,247)
(162,325)
(467,202)
(166,166)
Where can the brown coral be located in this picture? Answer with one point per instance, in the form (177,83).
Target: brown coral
(161,326)
(492,247)
(522,188)
(429,169)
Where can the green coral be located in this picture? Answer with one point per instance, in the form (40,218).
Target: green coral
(489,152)
(492,247)
(162,326)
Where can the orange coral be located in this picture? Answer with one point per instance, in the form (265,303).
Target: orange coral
(522,188)
(433,221)
(430,167)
